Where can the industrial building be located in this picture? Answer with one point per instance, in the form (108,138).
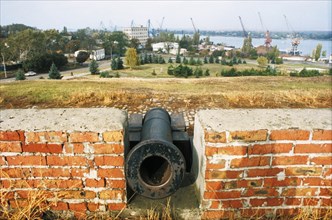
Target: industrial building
(140,33)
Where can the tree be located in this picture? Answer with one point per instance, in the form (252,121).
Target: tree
(20,75)
(205,60)
(114,64)
(131,57)
(178,58)
(207,72)
(54,72)
(247,45)
(170,60)
(324,53)
(93,67)
(82,56)
(318,51)
(119,63)
(192,61)
(185,61)
(211,59)
(262,61)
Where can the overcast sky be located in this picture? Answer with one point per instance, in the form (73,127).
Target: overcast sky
(207,15)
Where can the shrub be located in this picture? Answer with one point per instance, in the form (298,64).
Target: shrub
(207,72)
(19,75)
(105,74)
(279,61)
(54,72)
(154,72)
(93,67)
(308,73)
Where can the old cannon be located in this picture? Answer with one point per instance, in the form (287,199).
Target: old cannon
(160,154)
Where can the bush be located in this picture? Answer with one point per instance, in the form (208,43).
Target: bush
(105,74)
(207,72)
(170,70)
(19,75)
(308,73)
(249,72)
(154,72)
(82,56)
(42,62)
(279,60)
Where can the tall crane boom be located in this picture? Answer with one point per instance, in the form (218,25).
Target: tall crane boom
(192,21)
(260,18)
(268,38)
(295,38)
(245,33)
(162,22)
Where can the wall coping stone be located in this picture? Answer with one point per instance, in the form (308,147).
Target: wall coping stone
(272,119)
(63,119)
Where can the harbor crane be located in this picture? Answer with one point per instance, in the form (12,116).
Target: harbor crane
(295,38)
(245,33)
(268,38)
(196,33)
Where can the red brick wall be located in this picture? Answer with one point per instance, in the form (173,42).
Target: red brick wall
(265,172)
(78,172)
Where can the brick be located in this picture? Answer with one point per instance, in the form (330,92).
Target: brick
(222,195)
(313,148)
(321,160)
(266,202)
(113,136)
(92,207)
(61,184)
(310,201)
(316,181)
(67,161)
(43,148)
(289,135)
(112,194)
(210,151)
(2,161)
(322,135)
(266,192)
(215,174)
(220,214)
(59,206)
(325,192)
(77,148)
(213,186)
(82,207)
(15,172)
(260,149)
(108,148)
(116,206)
(232,204)
(215,137)
(299,192)
(84,137)
(10,136)
(95,183)
(46,137)
(214,205)
(263,172)
(26,160)
(79,172)
(288,212)
(115,184)
(292,201)
(303,171)
(76,194)
(256,213)
(215,165)
(232,150)
(17,203)
(273,182)
(249,183)
(15,184)
(327,172)
(248,136)
(111,173)
(325,202)
(292,160)
(250,162)
(10,146)
(109,161)
(50,172)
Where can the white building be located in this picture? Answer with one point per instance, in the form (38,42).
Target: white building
(97,54)
(140,33)
(165,47)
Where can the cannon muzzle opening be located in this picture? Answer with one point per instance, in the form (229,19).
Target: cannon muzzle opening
(156,163)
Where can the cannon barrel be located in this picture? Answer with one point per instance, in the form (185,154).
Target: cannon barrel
(155,167)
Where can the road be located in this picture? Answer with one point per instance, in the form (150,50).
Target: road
(103,66)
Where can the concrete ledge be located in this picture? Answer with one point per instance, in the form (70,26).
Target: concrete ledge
(69,119)
(255,119)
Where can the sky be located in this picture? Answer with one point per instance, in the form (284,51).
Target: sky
(207,15)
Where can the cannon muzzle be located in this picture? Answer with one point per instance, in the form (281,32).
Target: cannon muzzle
(155,166)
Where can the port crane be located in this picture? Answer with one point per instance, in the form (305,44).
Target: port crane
(196,33)
(247,39)
(245,33)
(268,38)
(295,38)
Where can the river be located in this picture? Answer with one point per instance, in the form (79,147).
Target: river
(306,46)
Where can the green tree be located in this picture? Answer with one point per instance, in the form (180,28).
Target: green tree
(211,59)
(119,63)
(19,75)
(178,58)
(247,46)
(262,61)
(318,51)
(185,61)
(82,56)
(192,61)
(170,60)
(207,72)
(131,58)
(114,64)
(54,72)
(93,67)
(324,53)
(205,60)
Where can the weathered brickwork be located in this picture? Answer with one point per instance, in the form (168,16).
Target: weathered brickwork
(79,172)
(260,172)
